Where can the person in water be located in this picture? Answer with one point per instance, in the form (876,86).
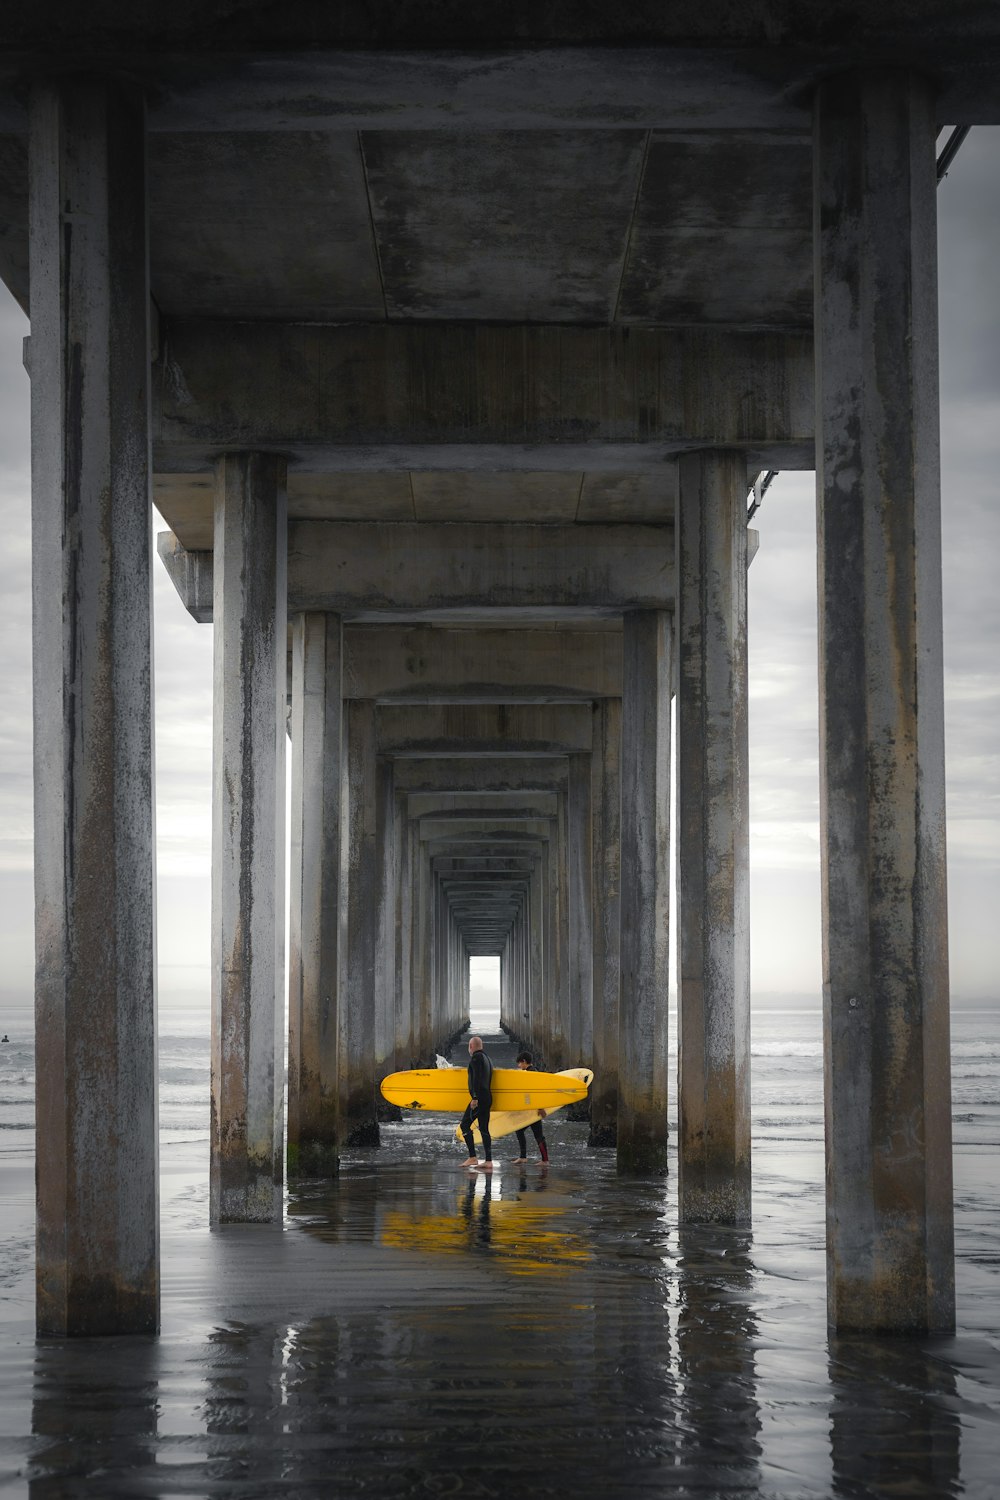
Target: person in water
(479,1106)
(524,1062)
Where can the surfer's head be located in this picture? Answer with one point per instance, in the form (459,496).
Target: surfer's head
(524,1059)
(475,1044)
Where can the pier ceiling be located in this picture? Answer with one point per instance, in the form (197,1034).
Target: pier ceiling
(522,225)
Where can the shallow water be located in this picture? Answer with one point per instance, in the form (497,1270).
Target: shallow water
(418,1330)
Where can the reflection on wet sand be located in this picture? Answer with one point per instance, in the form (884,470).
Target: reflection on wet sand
(716,1329)
(417,1330)
(95,1409)
(527,1237)
(894,1427)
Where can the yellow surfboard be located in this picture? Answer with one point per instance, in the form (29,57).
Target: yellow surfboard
(506,1121)
(447,1089)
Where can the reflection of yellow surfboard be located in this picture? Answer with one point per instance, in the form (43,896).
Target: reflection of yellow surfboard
(527,1239)
(447,1089)
(505,1122)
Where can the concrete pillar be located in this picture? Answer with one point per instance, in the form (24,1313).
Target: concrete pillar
(579,810)
(543,1037)
(422,951)
(645,854)
(888,1128)
(606,802)
(713,812)
(385,940)
(95,996)
(314,922)
(359,1126)
(532,1003)
(564,964)
(248,841)
(403,975)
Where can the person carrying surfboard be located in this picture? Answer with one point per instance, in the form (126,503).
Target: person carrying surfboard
(524,1062)
(479,1106)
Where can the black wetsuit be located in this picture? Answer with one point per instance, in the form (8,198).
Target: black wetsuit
(522,1140)
(480,1078)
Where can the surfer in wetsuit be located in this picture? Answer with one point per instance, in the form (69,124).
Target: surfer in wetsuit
(480,1104)
(524,1062)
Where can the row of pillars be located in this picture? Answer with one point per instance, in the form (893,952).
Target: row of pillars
(890,1260)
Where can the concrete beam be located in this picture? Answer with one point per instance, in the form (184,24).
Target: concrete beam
(555,88)
(556,729)
(457,866)
(509,776)
(418,396)
(890,1256)
(414,664)
(371,569)
(95,995)
(463,67)
(465,805)
(485,830)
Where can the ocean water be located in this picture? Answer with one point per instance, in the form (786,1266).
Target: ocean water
(786,1060)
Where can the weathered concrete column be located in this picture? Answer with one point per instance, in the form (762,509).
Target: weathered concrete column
(248,837)
(543,1036)
(888,1126)
(95,996)
(559,1007)
(385,941)
(645,912)
(606,801)
(533,1002)
(406,1013)
(579,818)
(314,922)
(356,1065)
(422,951)
(713,839)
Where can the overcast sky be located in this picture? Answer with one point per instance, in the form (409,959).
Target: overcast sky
(783,693)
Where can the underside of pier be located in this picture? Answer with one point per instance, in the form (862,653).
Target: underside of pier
(449,341)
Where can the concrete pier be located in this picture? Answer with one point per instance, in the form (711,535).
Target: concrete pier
(713,831)
(645,885)
(95,997)
(495,477)
(885,988)
(248,840)
(314,893)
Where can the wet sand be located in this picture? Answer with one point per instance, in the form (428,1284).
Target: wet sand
(419,1330)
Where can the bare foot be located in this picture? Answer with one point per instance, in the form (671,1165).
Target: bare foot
(487,1166)
(520,1158)
(470,1161)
